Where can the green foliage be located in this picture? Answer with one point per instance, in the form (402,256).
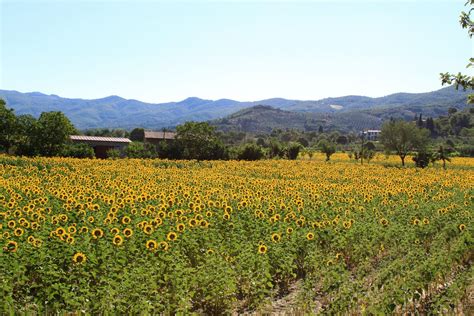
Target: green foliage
(140,150)
(78,151)
(276,149)
(403,137)
(8,127)
(52,133)
(250,152)
(422,159)
(460,80)
(137,135)
(292,150)
(327,148)
(199,140)
(113,154)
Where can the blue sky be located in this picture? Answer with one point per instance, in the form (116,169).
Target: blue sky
(160,51)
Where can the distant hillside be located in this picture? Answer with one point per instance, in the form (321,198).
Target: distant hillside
(349,112)
(264,119)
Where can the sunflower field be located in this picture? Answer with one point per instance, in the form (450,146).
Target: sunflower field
(154,236)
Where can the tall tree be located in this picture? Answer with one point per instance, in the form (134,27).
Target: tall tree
(52,133)
(8,126)
(403,137)
(137,135)
(460,80)
(198,140)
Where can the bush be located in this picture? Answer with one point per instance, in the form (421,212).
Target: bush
(113,153)
(422,159)
(250,152)
(140,150)
(78,151)
(293,150)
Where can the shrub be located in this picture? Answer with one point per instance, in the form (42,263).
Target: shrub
(78,151)
(250,152)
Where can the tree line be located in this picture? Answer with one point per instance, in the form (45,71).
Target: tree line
(49,136)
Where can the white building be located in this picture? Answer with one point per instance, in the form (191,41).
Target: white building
(371,134)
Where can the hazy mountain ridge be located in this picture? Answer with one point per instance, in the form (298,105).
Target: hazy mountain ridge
(115,112)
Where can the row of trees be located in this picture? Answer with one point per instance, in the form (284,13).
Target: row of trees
(25,135)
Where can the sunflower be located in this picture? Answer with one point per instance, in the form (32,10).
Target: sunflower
(11,246)
(172,236)
(289,230)
(148,229)
(310,236)
(276,237)
(192,222)
(97,233)
(60,231)
(72,230)
(11,224)
(70,240)
(79,258)
(416,222)
(210,251)
(117,240)
(37,242)
(262,249)
(426,221)
(383,221)
(114,231)
(127,232)
(31,239)
(347,224)
(18,232)
(180,227)
(84,230)
(126,220)
(462,227)
(164,246)
(151,245)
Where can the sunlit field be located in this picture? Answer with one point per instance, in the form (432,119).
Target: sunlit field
(129,236)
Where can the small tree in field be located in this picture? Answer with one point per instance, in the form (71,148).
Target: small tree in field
(327,148)
(403,137)
(442,155)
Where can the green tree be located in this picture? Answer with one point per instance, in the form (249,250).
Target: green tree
(250,151)
(137,135)
(8,127)
(403,137)
(27,127)
(442,155)
(293,150)
(52,133)
(140,150)
(327,148)
(199,140)
(460,80)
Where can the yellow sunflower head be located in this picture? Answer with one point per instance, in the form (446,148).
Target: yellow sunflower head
(79,258)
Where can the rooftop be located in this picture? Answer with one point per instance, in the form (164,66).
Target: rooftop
(100,139)
(159,135)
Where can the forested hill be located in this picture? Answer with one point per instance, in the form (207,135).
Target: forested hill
(117,112)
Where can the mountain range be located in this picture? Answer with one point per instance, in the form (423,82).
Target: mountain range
(347,113)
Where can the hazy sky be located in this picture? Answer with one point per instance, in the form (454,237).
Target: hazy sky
(159,51)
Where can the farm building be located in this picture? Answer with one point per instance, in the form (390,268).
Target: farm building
(371,134)
(155,138)
(102,144)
